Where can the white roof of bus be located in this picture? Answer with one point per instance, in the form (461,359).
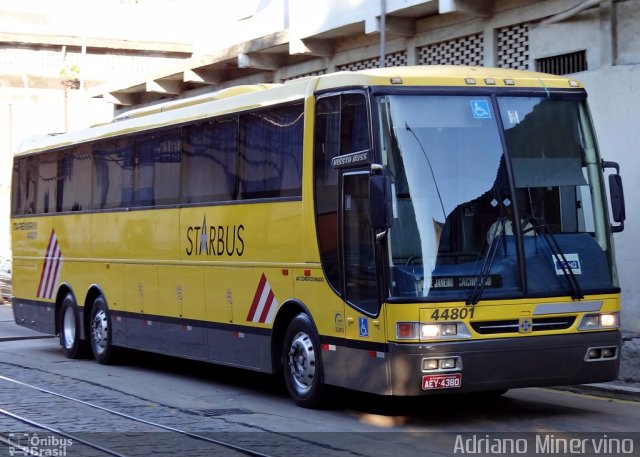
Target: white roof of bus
(241,98)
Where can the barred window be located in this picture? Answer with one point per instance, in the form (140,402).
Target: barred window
(564,64)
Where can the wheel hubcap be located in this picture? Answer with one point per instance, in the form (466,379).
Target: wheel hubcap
(99,331)
(69,328)
(302,362)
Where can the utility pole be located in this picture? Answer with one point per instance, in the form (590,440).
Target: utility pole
(383,33)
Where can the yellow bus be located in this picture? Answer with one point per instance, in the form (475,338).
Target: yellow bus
(399,231)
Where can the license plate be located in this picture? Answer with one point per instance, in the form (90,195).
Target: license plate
(441,381)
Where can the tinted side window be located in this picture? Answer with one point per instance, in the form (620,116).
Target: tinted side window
(342,127)
(18,186)
(24,186)
(209,161)
(157,168)
(271,153)
(327,146)
(73,179)
(354,124)
(47,183)
(113,173)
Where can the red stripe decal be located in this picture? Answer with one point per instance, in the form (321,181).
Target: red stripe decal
(256,298)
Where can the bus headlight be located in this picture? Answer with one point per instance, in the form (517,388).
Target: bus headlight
(432,331)
(599,321)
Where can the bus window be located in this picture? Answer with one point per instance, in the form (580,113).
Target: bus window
(209,161)
(342,127)
(30,182)
(271,153)
(446,159)
(47,184)
(24,185)
(113,173)
(74,180)
(156,175)
(359,252)
(326,147)
(554,163)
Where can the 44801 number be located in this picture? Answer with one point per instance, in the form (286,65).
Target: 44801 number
(445,314)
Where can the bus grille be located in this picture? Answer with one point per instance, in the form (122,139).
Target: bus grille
(540,324)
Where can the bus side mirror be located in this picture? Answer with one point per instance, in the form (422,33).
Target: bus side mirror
(380,207)
(616,195)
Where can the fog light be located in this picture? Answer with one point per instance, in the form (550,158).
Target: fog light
(594,354)
(430,364)
(608,353)
(447,364)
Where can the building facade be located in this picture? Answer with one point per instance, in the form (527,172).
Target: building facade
(49,60)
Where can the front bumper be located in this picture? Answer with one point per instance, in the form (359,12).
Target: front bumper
(499,364)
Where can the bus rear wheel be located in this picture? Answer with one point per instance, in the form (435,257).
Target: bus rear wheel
(69,325)
(101,332)
(302,363)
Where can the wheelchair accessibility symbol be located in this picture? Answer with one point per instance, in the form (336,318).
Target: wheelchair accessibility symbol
(480,109)
(363,325)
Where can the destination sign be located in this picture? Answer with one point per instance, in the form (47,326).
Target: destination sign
(464,282)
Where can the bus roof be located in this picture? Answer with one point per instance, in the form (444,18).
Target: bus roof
(246,97)
(446,76)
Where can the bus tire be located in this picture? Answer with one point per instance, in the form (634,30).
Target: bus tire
(302,363)
(100,332)
(70,329)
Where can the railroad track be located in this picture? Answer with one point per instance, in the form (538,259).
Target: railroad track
(35,443)
(99,430)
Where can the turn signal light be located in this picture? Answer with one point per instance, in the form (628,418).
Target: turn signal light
(407,330)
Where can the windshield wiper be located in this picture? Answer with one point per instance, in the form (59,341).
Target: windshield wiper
(485,270)
(542,228)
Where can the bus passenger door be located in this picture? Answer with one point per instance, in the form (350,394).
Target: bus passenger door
(342,155)
(365,332)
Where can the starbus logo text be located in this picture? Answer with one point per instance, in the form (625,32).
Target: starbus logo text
(215,240)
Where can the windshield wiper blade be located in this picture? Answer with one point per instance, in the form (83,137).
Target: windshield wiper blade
(485,270)
(541,227)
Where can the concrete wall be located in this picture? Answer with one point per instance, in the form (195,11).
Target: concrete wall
(615,108)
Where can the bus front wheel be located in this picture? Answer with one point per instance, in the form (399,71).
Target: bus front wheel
(302,364)
(100,331)
(69,325)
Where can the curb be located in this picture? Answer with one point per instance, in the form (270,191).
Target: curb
(606,390)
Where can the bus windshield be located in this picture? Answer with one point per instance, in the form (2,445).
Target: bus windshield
(475,220)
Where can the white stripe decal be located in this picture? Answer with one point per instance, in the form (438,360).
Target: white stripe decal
(265,305)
